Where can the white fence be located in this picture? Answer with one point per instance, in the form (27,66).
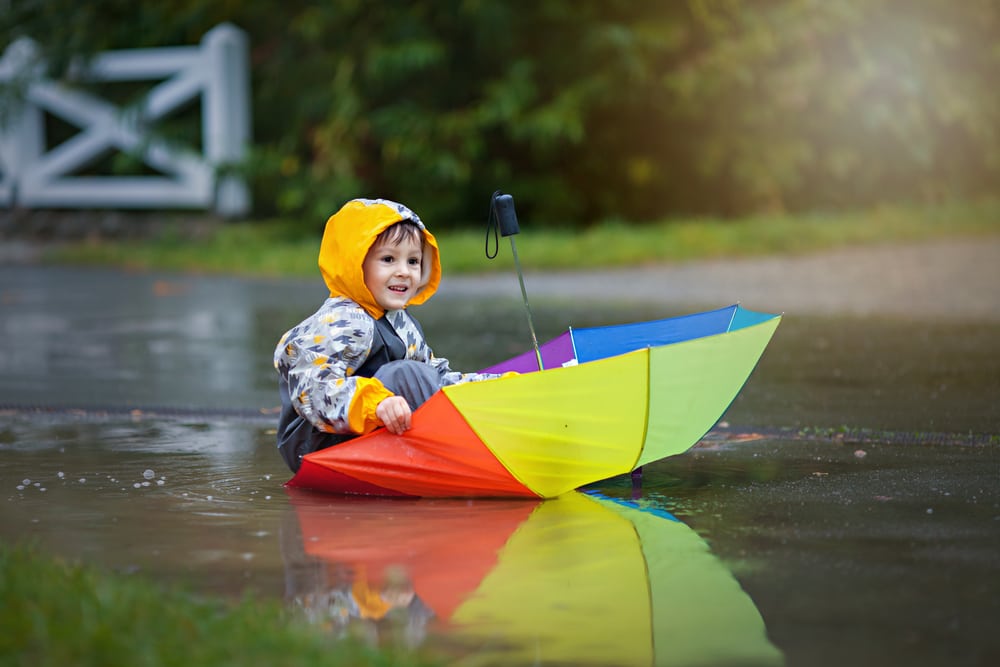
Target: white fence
(33,175)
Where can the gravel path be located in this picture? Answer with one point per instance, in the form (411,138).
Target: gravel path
(958,279)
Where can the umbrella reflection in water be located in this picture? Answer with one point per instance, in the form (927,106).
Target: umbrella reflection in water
(579,579)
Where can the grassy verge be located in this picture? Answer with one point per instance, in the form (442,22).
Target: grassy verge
(278,248)
(55,613)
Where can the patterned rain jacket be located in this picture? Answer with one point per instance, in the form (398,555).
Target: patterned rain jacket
(325,363)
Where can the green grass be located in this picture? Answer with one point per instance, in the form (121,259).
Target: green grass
(58,613)
(284,248)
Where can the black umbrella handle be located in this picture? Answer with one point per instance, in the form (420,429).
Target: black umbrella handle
(506,216)
(502,215)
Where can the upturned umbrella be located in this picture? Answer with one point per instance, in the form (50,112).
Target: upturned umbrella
(607,401)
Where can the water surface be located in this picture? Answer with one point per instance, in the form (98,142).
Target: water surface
(847,509)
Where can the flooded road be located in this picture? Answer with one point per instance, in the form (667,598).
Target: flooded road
(846,510)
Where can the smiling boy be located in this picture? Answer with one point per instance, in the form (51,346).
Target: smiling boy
(361,362)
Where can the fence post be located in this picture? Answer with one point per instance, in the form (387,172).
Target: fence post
(226,115)
(22,132)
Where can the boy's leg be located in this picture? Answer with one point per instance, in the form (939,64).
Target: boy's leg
(297,437)
(413,380)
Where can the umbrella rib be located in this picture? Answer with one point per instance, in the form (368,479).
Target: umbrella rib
(649,406)
(732,318)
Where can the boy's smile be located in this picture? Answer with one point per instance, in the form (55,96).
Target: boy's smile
(392,272)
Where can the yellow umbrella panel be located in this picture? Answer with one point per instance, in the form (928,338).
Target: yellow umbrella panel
(566,427)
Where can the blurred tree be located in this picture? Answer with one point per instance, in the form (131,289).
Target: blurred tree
(589,109)
(806,104)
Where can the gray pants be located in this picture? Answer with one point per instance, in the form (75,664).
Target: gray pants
(413,380)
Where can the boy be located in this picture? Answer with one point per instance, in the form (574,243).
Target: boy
(361,361)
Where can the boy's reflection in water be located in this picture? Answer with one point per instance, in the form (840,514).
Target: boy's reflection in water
(377,607)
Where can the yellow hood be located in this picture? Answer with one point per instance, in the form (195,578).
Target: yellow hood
(350,232)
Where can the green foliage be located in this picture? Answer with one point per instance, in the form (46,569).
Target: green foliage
(56,613)
(805,104)
(590,109)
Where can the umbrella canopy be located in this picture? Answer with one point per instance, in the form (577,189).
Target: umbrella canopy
(609,400)
(581,579)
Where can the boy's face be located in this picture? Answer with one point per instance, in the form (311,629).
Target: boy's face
(392,271)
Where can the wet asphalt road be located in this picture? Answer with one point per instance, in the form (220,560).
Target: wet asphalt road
(864,553)
(901,337)
(956,279)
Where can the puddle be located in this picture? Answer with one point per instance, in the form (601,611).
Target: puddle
(809,549)
(781,538)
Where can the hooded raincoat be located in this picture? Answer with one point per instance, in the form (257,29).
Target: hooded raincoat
(327,362)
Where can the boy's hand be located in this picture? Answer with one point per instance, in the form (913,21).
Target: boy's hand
(394,412)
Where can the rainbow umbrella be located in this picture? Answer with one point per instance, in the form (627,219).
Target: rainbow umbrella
(610,400)
(580,579)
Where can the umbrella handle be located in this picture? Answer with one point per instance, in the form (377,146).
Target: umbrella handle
(503,215)
(506,216)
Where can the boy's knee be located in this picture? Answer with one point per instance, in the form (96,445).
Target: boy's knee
(413,380)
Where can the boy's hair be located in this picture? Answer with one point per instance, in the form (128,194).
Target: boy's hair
(398,232)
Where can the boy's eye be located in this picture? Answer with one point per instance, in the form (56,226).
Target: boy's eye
(414,261)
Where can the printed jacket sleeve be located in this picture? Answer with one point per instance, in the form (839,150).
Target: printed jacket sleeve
(417,349)
(318,358)
(449,376)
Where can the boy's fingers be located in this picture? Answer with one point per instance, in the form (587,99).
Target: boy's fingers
(395,415)
(404,419)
